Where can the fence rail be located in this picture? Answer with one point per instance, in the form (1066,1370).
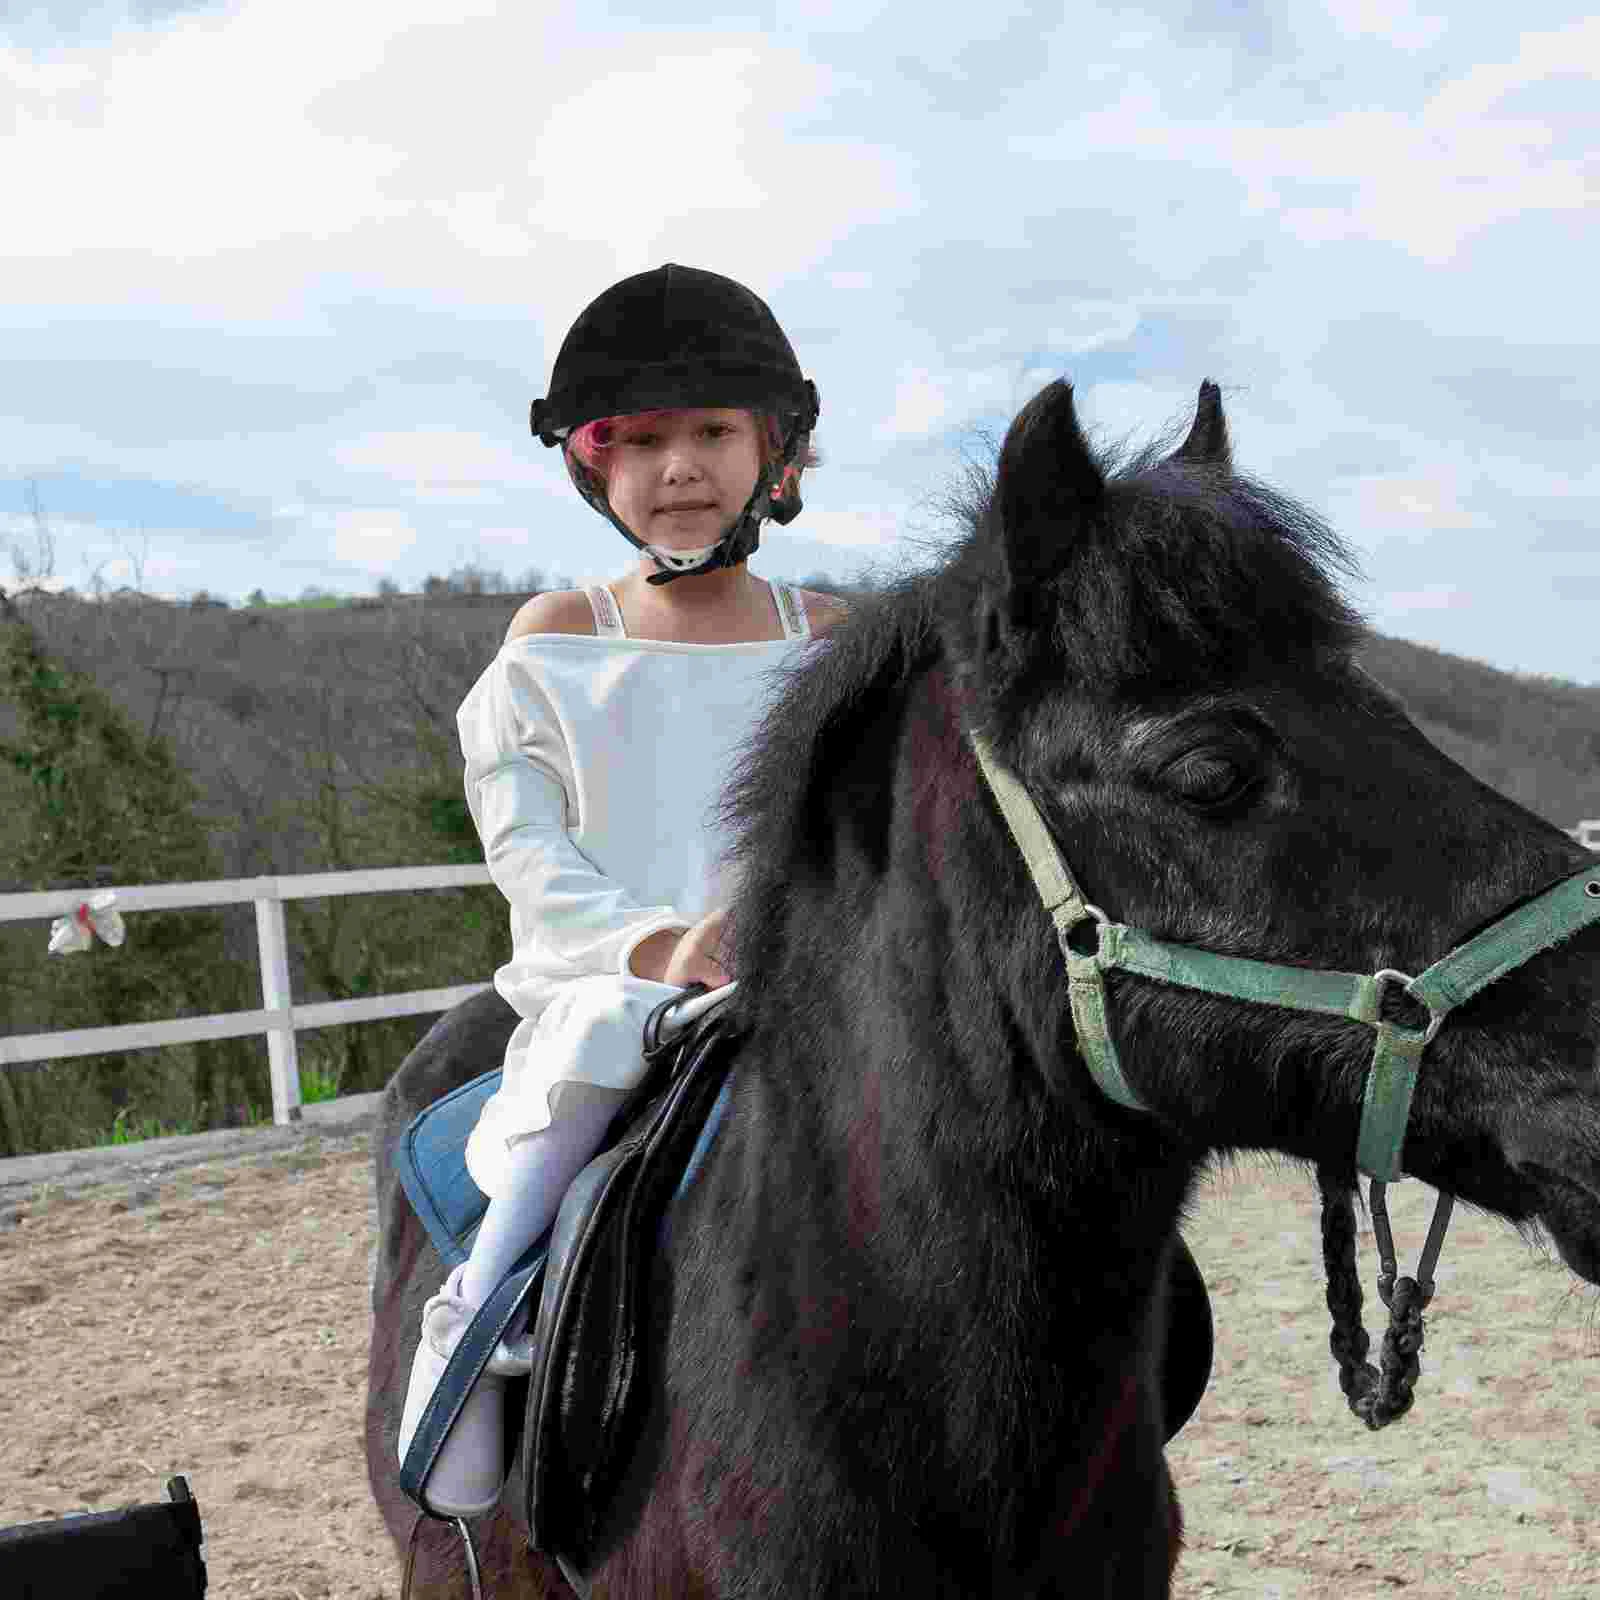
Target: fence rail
(279,1017)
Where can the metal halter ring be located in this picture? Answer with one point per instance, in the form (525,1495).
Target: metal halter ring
(1435,1021)
(1092,913)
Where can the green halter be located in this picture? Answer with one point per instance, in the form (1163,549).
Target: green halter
(1555,915)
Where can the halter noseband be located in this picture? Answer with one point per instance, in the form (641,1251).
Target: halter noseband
(1506,944)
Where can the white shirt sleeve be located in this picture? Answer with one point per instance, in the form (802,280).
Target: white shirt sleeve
(568,920)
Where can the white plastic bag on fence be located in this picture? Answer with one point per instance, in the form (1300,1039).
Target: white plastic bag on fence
(95,916)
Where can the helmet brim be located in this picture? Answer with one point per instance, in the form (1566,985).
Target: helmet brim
(669,388)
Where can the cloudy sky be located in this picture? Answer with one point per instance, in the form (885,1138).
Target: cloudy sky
(280,278)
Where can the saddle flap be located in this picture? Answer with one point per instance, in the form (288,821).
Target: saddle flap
(588,1387)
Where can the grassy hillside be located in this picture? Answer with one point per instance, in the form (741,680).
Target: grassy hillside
(1534,739)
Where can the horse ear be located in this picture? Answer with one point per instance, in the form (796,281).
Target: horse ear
(1046,484)
(1207,444)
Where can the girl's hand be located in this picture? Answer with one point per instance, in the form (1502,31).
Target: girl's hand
(695,959)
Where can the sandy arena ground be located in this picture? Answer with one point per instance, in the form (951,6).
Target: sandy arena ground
(212,1320)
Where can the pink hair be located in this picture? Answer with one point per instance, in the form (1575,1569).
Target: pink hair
(587,442)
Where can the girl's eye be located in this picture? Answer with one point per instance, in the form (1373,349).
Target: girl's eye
(716,430)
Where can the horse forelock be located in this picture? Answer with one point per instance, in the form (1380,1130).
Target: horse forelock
(1183,570)
(1193,582)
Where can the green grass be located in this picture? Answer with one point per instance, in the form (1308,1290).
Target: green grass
(315,1087)
(131,1130)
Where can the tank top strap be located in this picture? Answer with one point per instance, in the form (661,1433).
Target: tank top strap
(607,613)
(791,610)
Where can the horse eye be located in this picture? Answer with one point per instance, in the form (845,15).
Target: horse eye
(1207,781)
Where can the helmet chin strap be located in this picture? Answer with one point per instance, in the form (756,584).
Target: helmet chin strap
(679,560)
(736,545)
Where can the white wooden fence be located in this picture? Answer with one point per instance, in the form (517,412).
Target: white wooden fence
(280,1016)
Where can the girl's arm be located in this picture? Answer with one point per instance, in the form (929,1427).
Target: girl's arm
(568,919)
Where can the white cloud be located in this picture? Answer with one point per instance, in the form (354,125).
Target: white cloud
(921,402)
(371,538)
(226,163)
(1431,597)
(859,527)
(1426,180)
(1078,326)
(1394,21)
(1093,324)
(1122,409)
(441,465)
(925,400)
(1415,503)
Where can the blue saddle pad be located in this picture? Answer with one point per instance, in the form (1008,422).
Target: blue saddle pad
(431,1160)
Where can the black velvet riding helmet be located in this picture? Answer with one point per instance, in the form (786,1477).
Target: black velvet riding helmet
(679,337)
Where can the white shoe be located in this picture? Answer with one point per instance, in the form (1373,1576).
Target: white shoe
(469,1470)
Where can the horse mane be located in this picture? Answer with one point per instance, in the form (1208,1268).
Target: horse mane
(1190,574)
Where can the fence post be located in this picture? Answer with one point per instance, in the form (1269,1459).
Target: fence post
(282,1058)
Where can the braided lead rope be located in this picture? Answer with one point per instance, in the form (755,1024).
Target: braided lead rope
(1378,1398)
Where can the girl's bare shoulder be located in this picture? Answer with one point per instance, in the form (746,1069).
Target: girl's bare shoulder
(554,611)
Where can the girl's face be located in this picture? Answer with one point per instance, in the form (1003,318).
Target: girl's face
(678,481)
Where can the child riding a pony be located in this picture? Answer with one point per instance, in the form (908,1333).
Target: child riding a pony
(596,743)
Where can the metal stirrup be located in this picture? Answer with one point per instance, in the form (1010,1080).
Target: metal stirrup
(411,1555)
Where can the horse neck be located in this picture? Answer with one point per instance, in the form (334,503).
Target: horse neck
(949,1259)
(932,1203)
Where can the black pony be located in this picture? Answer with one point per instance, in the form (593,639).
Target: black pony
(909,1315)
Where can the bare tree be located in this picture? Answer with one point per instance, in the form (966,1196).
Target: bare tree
(34,566)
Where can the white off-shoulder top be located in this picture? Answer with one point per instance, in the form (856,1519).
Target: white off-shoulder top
(593,768)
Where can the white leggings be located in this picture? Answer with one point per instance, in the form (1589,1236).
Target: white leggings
(541,1168)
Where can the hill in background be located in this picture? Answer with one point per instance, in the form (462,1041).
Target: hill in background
(272,710)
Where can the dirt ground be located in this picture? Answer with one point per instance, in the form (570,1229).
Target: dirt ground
(213,1321)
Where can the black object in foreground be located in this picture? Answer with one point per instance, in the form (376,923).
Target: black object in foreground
(140,1551)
